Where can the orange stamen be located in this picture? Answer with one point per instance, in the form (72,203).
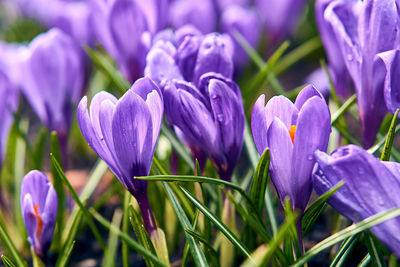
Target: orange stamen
(39,223)
(292,132)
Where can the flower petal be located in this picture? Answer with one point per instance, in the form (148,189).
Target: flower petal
(282,108)
(281,149)
(392,84)
(259,125)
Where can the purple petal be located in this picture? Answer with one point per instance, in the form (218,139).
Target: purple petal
(186,55)
(132,133)
(392,86)
(282,108)
(305,94)
(259,125)
(312,133)
(213,57)
(281,149)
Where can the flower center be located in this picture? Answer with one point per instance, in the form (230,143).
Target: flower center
(39,223)
(292,132)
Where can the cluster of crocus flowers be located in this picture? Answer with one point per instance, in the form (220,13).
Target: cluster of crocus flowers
(202,103)
(52,79)
(124,134)
(362,30)
(292,132)
(39,210)
(370,187)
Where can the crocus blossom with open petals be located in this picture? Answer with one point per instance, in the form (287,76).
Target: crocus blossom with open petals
(39,210)
(124,134)
(370,186)
(364,29)
(292,132)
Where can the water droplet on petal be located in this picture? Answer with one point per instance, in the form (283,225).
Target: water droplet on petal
(220,117)
(349,57)
(310,157)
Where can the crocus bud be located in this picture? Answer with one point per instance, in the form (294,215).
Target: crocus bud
(53,79)
(8,104)
(212,117)
(124,134)
(186,56)
(122,28)
(213,56)
(201,14)
(292,132)
(364,29)
(39,210)
(370,187)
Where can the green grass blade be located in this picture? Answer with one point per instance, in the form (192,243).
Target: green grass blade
(213,253)
(87,216)
(344,251)
(126,238)
(297,54)
(9,245)
(7,262)
(194,245)
(343,108)
(125,229)
(273,245)
(106,65)
(374,252)
(389,139)
(313,212)
(366,261)
(59,187)
(112,245)
(257,59)
(218,223)
(260,181)
(347,232)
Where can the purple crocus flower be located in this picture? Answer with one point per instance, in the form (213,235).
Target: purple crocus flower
(246,22)
(39,210)
(337,67)
(122,28)
(8,104)
(370,186)
(124,134)
(53,79)
(210,117)
(364,29)
(292,132)
(280,16)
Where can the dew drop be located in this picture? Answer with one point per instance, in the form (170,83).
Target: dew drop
(310,157)
(220,117)
(349,57)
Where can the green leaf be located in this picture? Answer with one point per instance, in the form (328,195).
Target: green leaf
(345,233)
(315,210)
(59,187)
(343,108)
(218,223)
(125,229)
(141,233)
(389,139)
(297,54)
(89,220)
(40,145)
(344,251)
(260,181)
(366,261)
(109,256)
(257,59)
(9,245)
(374,251)
(106,64)
(273,245)
(75,219)
(194,245)
(210,248)
(7,262)
(126,238)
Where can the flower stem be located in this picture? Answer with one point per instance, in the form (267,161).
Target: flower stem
(148,218)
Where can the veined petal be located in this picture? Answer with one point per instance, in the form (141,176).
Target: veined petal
(161,66)
(312,133)
(132,134)
(392,83)
(259,125)
(281,149)
(282,108)
(305,94)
